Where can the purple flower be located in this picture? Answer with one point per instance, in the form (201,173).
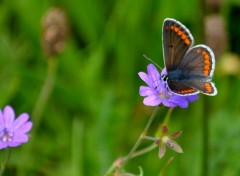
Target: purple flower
(157,91)
(13,132)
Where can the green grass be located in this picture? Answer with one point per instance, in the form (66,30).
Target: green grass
(94,113)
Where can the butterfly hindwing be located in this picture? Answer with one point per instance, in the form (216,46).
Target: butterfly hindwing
(181,89)
(199,60)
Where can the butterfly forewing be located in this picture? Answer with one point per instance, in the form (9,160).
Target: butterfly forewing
(176,41)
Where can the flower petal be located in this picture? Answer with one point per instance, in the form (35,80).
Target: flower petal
(168,103)
(24,128)
(146,91)
(162,150)
(192,98)
(174,146)
(164,130)
(145,78)
(180,101)
(152,100)
(153,73)
(3,145)
(14,144)
(8,116)
(20,121)
(176,134)
(1,120)
(20,138)
(164,71)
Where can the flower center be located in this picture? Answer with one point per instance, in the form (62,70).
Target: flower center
(167,141)
(165,94)
(6,136)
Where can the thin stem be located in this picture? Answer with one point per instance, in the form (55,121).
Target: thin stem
(167,117)
(141,136)
(5,162)
(119,161)
(164,169)
(144,150)
(150,138)
(45,92)
(40,105)
(205,131)
(165,121)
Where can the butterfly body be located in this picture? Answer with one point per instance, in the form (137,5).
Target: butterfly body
(189,69)
(178,75)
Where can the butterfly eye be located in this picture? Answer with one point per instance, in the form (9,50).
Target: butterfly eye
(164,77)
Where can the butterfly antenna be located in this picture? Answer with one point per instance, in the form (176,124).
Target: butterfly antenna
(151,61)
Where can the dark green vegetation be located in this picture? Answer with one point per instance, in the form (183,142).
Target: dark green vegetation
(94,113)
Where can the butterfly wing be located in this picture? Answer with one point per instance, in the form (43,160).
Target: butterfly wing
(176,41)
(199,60)
(196,71)
(181,88)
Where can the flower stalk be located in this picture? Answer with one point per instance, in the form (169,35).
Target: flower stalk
(45,92)
(143,134)
(5,162)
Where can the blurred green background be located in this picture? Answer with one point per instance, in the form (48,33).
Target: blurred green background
(93,113)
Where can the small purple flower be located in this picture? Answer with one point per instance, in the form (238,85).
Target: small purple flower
(157,91)
(13,132)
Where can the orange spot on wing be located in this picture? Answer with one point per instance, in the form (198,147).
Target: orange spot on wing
(180,33)
(207,56)
(186,91)
(172,27)
(207,62)
(187,42)
(184,36)
(176,29)
(198,50)
(207,67)
(206,72)
(208,87)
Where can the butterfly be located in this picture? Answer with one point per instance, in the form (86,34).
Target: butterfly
(189,68)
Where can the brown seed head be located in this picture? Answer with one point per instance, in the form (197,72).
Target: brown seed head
(54,31)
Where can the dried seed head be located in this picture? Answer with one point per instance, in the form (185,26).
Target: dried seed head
(54,31)
(215,34)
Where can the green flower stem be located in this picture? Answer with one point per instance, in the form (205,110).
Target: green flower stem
(144,150)
(141,137)
(136,154)
(150,138)
(40,104)
(164,169)
(121,162)
(168,116)
(5,162)
(45,92)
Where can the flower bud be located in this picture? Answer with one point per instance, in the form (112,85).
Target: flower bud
(54,31)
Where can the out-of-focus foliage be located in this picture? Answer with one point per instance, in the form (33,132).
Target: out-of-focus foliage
(94,113)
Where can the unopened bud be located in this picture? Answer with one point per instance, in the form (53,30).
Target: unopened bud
(54,31)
